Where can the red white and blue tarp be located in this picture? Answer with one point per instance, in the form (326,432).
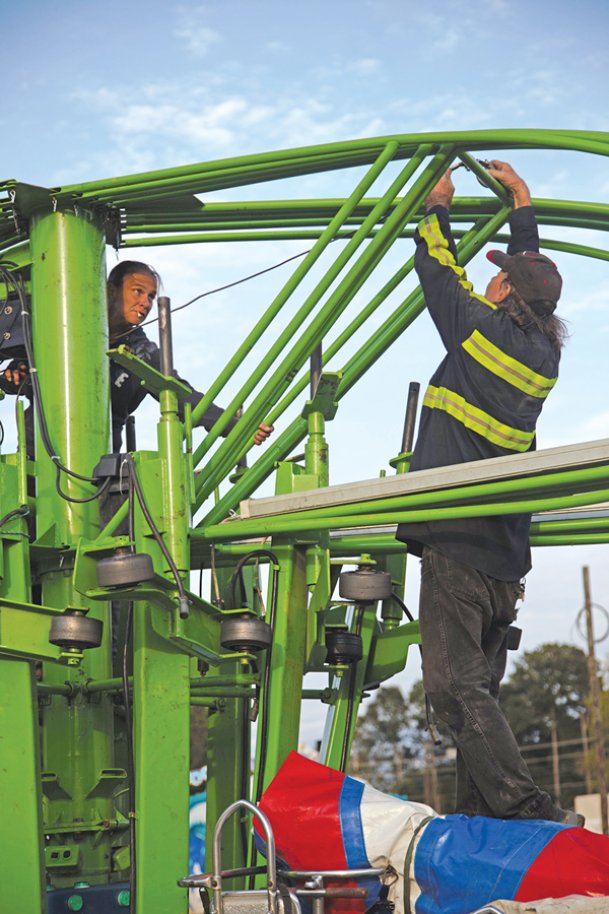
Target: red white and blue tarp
(324,819)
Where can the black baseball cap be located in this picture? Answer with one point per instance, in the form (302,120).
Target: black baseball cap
(533,275)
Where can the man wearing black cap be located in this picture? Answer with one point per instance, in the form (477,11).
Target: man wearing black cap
(503,351)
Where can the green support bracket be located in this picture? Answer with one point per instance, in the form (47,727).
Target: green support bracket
(25,630)
(389,651)
(151,379)
(324,401)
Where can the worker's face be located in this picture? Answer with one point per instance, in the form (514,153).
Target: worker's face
(138,294)
(498,288)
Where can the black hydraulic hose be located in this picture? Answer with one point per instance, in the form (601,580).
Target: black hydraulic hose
(351,696)
(17,286)
(130,759)
(264,708)
(255,553)
(403,607)
(22,511)
(184,605)
(245,774)
(129,726)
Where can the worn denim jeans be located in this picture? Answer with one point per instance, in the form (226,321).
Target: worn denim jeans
(464,617)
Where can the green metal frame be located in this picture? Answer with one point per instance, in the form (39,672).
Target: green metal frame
(63,780)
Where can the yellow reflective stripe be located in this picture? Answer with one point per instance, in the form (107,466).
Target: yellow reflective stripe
(437,247)
(504,366)
(476,419)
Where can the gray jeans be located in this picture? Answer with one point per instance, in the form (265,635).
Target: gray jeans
(464,617)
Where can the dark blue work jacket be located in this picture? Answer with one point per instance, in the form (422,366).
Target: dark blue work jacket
(484,398)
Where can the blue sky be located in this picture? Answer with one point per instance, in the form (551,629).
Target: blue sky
(99,90)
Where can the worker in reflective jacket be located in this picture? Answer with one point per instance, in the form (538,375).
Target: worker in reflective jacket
(484,399)
(132,289)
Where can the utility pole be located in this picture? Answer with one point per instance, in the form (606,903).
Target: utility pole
(555,758)
(583,725)
(595,706)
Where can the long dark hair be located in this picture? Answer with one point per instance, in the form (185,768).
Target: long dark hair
(552,327)
(126,268)
(116,277)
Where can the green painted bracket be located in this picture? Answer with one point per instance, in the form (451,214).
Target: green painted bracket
(324,401)
(109,780)
(30,198)
(389,651)
(152,380)
(62,856)
(401,463)
(316,649)
(198,635)
(25,629)
(51,787)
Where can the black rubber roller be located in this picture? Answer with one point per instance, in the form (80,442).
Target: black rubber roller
(365,585)
(245,633)
(72,629)
(343,647)
(125,570)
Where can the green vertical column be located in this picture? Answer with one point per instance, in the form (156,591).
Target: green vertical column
(161,685)
(342,715)
(69,324)
(287,661)
(161,678)
(228,753)
(21,861)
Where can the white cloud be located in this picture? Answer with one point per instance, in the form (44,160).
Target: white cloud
(365,66)
(203,122)
(193,31)
(443,111)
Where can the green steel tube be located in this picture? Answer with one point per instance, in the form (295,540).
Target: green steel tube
(226,456)
(403,316)
(21,454)
(345,336)
(276,451)
(176,507)
(354,326)
(115,521)
(46,688)
(293,283)
(289,524)
(591,539)
(374,543)
(70,338)
(498,489)
(337,155)
(584,525)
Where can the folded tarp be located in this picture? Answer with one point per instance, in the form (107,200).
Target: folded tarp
(324,819)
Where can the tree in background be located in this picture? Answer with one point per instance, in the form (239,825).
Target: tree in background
(393,751)
(587,767)
(382,743)
(544,699)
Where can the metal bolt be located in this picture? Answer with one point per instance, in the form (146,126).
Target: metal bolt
(75,903)
(123,898)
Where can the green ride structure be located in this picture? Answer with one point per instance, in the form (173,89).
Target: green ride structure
(95,740)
